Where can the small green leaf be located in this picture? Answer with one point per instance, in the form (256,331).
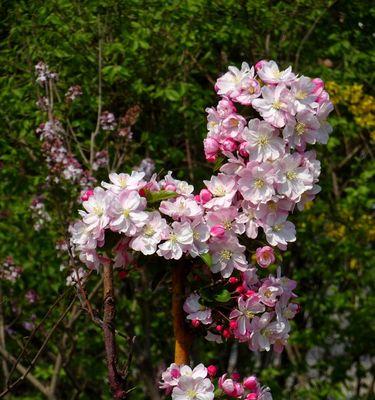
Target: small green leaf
(154,197)
(223,296)
(206,257)
(218,163)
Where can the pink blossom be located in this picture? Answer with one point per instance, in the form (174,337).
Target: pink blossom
(201,235)
(274,106)
(302,91)
(301,130)
(265,256)
(227,255)
(268,71)
(196,310)
(126,211)
(231,387)
(257,183)
(123,181)
(230,84)
(151,234)
(263,142)
(190,388)
(223,188)
(181,207)
(178,240)
(245,312)
(292,178)
(224,219)
(280,232)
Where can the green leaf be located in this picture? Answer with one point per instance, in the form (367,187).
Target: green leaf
(206,257)
(223,297)
(155,197)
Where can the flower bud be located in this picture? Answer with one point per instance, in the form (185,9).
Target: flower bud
(205,196)
(229,145)
(195,323)
(226,333)
(236,376)
(86,195)
(232,280)
(217,231)
(242,149)
(251,383)
(219,328)
(233,324)
(212,370)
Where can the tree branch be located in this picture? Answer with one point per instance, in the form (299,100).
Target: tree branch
(117,382)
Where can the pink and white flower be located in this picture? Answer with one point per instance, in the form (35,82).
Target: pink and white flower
(265,256)
(275,105)
(151,234)
(178,240)
(269,72)
(227,254)
(263,142)
(197,311)
(256,183)
(126,211)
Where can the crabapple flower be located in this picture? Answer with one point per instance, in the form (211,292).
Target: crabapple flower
(181,207)
(256,183)
(280,232)
(151,234)
(197,311)
(227,254)
(193,389)
(96,216)
(265,256)
(269,72)
(178,239)
(303,92)
(127,213)
(262,141)
(275,105)
(124,181)
(293,179)
(223,188)
(303,129)
(245,312)
(230,387)
(230,84)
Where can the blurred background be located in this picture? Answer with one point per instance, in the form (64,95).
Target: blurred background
(156,63)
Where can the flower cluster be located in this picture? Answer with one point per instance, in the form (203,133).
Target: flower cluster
(44,74)
(120,207)
(39,213)
(183,383)
(61,162)
(9,271)
(107,121)
(268,170)
(73,92)
(256,311)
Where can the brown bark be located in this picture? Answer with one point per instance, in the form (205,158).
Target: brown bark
(183,338)
(116,380)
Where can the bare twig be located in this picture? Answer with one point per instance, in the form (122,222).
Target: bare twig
(94,134)
(40,351)
(117,382)
(30,377)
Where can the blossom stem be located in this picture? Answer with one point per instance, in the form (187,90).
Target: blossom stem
(183,338)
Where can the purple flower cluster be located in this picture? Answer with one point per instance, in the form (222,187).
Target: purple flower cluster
(61,162)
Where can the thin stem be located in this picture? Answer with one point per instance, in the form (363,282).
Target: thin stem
(94,134)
